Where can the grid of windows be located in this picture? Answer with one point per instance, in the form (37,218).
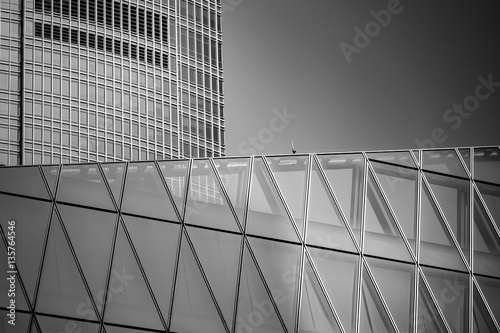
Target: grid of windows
(102,82)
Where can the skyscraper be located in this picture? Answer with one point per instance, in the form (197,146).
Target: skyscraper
(106,80)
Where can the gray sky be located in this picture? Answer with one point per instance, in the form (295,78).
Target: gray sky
(285,56)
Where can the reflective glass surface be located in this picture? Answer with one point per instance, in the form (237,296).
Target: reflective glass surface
(443,161)
(487,164)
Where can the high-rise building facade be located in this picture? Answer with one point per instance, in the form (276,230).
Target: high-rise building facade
(387,241)
(107,80)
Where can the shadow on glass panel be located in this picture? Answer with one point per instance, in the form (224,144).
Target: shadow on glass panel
(219,254)
(290,174)
(31,228)
(156,245)
(316,316)
(145,193)
(444,161)
(194,309)
(206,202)
(491,289)
(487,164)
(491,196)
(267,215)
(345,174)
(486,242)
(403,158)
(400,187)
(453,197)
(83,184)
(481,318)
(436,243)
(325,225)
(382,236)
(234,175)
(451,291)
(25,180)
(373,317)
(395,281)
(339,273)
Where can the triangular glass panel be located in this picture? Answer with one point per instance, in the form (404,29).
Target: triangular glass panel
(341,288)
(486,242)
(22,322)
(256,312)
(428,318)
(465,154)
(373,317)
(482,321)
(416,153)
(325,226)
(400,188)
(93,249)
(394,157)
(51,173)
(436,244)
(114,176)
(145,193)
(34,328)
(395,281)
(491,196)
(219,254)
(290,174)
(491,289)
(7,267)
(279,263)
(30,227)
(266,212)
(83,184)
(487,164)
(234,175)
(175,175)
(194,309)
(206,203)
(316,315)
(62,290)
(156,246)
(451,291)
(453,196)
(129,301)
(51,324)
(382,237)
(443,161)
(345,173)
(25,180)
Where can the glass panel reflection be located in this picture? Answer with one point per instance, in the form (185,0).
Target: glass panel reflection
(487,164)
(266,212)
(206,203)
(444,161)
(145,193)
(453,197)
(491,289)
(395,281)
(451,291)
(175,174)
(396,157)
(23,180)
(290,174)
(114,176)
(428,318)
(345,174)
(481,316)
(465,154)
(51,173)
(491,196)
(325,226)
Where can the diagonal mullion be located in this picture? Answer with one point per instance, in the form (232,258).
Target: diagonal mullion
(464,165)
(224,192)
(205,279)
(415,159)
(264,282)
(485,302)
(393,214)
(446,224)
(325,181)
(164,182)
(108,188)
(323,289)
(174,280)
(46,182)
(143,272)
(186,190)
(423,279)
(486,209)
(379,294)
(282,198)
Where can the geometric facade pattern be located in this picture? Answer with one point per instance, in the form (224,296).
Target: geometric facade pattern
(110,80)
(386,241)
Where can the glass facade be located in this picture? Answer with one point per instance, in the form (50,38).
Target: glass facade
(106,80)
(392,241)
